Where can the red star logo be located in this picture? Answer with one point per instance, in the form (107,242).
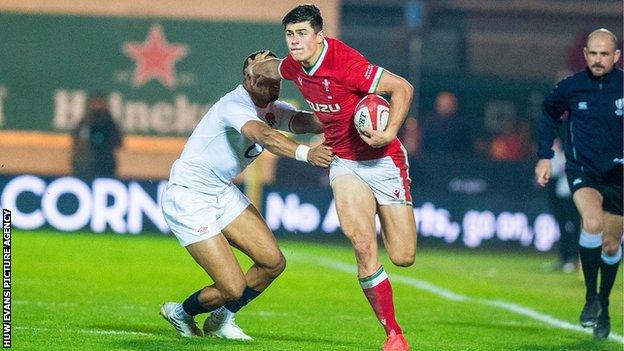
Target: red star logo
(155,58)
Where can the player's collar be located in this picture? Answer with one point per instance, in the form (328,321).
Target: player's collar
(310,71)
(247,95)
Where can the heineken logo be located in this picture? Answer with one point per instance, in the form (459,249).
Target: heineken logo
(155,58)
(178,115)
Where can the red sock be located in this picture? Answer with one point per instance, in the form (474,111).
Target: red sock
(378,291)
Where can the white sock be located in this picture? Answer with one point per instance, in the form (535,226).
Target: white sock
(221,315)
(590,240)
(612,259)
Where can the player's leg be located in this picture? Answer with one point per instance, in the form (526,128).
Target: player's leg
(245,228)
(611,255)
(567,217)
(389,182)
(588,201)
(571,232)
(610,262)
(356,207)
(215,256)
(399,233)
(192,217)
(250,234)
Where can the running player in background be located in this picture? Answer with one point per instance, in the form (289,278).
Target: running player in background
(208,214)
(369,174)
(592,106)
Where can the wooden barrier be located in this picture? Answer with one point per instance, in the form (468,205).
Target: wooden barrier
(43,153)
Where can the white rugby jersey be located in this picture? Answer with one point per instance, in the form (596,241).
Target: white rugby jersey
(217,152)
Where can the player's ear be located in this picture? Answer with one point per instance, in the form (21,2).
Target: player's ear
(247,79)
(320,36)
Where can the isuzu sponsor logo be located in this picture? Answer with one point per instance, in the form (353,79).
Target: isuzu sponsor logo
(327,108)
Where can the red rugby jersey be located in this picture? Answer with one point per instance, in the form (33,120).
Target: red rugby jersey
(332,87)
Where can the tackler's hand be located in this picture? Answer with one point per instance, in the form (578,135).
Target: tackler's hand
(255,70)
(320,156)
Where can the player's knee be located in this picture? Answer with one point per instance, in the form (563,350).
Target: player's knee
(277,266)
(232,292)
(402,259)
(610,247)
(592,225)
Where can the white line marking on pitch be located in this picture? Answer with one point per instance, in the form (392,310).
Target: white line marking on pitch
(76,304)
(89,331)
(450,295)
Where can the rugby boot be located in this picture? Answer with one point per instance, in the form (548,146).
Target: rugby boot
(221,324)
(395,342)
(603,326)
(589,315)
(185,325)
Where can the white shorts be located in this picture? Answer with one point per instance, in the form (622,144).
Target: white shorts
(194,216)
(388,177)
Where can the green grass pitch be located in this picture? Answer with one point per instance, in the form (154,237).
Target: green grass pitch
(103,292)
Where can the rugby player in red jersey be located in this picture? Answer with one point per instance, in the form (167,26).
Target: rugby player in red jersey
(369,174)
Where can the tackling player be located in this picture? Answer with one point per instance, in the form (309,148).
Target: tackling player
(207,212)
(370,173)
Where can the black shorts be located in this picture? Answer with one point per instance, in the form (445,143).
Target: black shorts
(609,185)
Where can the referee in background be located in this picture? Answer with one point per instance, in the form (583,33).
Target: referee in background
(590,104)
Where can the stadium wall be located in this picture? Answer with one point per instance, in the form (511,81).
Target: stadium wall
(237,11)
(69,204)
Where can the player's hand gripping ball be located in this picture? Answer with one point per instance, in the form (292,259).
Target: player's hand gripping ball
(371,112)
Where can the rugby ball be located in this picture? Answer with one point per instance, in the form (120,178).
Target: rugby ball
(372,112)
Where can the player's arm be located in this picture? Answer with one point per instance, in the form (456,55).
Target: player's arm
(547,132)
(274,141)
(401,92)
(291,120)
(306,122)
(554,106)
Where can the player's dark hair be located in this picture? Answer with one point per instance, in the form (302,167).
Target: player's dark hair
(253,56)
(305,13)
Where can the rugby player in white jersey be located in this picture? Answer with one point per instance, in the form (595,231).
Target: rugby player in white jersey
(208,214)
